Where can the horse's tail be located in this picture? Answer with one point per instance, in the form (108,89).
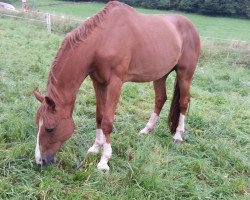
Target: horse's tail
(174,112)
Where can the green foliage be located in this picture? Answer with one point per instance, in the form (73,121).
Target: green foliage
(150,3)
(189,6)
(220,7)
(133,2)
(165,4)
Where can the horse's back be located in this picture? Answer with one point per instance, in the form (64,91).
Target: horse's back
(148,45)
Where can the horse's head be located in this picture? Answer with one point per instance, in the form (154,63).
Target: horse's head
(54,128)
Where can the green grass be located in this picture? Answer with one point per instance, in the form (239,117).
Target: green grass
(212,163)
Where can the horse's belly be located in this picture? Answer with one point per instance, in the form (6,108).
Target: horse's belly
(147,68)
(155,56)
(147,74)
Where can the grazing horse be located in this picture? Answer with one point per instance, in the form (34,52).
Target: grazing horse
(116,45)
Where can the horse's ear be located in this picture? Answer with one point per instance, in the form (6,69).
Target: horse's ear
(38,95)
(50,102)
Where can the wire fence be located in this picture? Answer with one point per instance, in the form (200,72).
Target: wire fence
(14,16)
(51,22)
(46,19)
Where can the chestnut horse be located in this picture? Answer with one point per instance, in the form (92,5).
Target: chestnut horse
(116,45)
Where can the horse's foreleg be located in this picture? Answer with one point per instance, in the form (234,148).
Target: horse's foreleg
(100,92)
(160,99)
(113,94)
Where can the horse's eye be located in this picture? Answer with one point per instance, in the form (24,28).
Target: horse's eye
(49,130)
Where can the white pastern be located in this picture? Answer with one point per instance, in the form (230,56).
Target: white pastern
(106,155)
(38,156)
(180,129)
(151,124)
(99,140)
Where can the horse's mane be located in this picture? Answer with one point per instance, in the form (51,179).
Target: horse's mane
(76,36)
(81,33)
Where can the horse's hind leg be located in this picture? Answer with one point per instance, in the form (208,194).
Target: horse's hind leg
(160,99)
(184,78)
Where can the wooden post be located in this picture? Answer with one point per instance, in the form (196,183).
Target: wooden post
(48,22)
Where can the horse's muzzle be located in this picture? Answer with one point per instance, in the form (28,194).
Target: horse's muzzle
(49,159)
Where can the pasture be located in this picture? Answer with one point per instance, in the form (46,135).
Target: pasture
(212,163)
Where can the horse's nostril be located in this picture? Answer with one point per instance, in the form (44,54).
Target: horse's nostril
(54,160)
(39,163)
(49,159)
(44,162)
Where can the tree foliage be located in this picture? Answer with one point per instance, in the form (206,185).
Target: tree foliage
(235,8)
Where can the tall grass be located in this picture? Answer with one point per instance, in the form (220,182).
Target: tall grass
(212,163)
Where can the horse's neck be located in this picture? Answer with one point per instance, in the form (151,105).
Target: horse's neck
(64,84)
(64,93)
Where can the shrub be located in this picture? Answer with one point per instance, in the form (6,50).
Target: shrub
(189,6)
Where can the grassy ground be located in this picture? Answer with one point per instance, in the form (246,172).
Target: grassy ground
(212,163)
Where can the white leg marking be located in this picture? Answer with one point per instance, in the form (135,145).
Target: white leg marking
(106,155)
(99,140)
(151,123)
(180,129)
(38,156)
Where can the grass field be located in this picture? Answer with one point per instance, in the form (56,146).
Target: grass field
(212,163)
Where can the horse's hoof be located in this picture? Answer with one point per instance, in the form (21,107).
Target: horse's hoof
(93,150)
(103,167)
(177,141)
(146,130)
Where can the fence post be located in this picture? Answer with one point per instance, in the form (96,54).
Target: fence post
(48,22)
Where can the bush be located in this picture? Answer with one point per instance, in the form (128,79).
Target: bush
(165,4)
(225,7)
(189,6)
(133,2)
(150,3)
